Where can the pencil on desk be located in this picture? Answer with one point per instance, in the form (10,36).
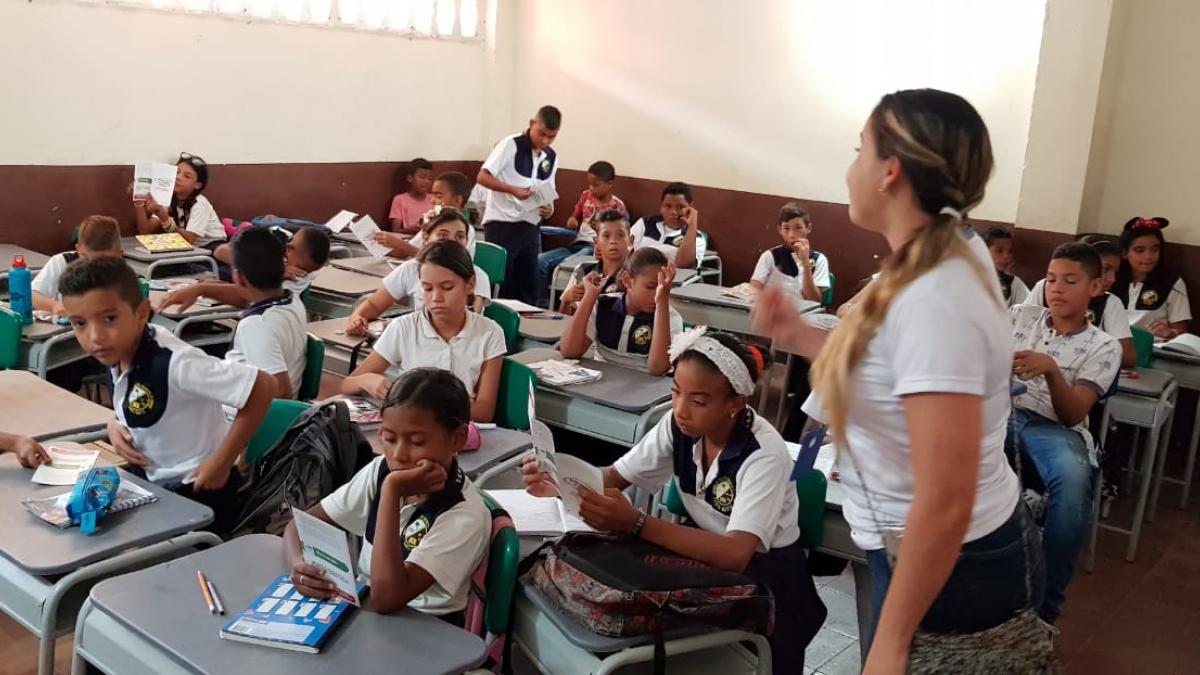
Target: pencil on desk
(212,608)
(216,598)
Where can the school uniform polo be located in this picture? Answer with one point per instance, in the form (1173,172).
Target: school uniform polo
(1150,303)
(653,231)
(404,282)
(411,341)
(747,489)
(1088,356)
(513,161)
(782,261)
(447,535)
(623,338)
(1013,288)
(170,400)
(45,282)
(1105,312)
(271,336)
(202,221)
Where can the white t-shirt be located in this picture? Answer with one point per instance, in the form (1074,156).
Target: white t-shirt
(1115,320)
(45,282)
(404,282)
(943,333)
(171,401)
(748,489)
(271,336)
(765,269)
(1177,307)
(449,551)
(621,338)
(203,221)
(501,163)
(661,242)
(412,342)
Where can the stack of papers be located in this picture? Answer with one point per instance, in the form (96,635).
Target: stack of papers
(743,291)
(562,373)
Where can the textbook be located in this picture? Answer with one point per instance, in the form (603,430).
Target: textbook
(164,243)
(1185,343)
(568,473)
(153,179)
(538,516)
(282,618)
(53,510)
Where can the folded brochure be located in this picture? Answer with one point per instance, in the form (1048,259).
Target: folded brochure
(66,461)
(326,547)
(283,618)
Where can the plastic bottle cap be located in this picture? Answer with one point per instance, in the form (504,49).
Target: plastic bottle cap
(19,261)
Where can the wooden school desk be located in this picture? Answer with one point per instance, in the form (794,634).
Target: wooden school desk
(335,292)
(155,621)
(369,265)
(619,407)
(44,570)
(33,407)
(146,263)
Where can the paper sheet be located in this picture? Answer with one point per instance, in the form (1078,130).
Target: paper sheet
(341,220)
(518,306)
(325,547)
(153,179)
(531,515)
(66,461)
(544,193)
(365,230)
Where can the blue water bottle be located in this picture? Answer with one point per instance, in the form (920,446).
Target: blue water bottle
(20,289)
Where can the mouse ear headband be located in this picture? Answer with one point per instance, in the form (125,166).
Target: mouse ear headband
(1140,223)
(730,364)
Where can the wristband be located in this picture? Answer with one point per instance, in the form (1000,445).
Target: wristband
(641,523)
(170,225)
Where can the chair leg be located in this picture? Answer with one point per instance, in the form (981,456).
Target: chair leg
(1139,512)
(1132,461)
(1089,558)
(1190,465)
(1159,469)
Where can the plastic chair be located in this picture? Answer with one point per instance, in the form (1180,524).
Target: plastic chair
(493,260)
(509,321)
(499,575)
(10,338)
(512,405)
(827,296)
(280,416)
(314,364)
(810,491)
(1143,345)
(145,286)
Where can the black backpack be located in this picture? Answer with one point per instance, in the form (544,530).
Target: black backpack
(320,452)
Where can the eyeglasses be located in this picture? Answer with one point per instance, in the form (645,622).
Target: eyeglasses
(189,157)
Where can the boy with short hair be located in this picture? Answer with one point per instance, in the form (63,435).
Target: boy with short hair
(613,246)
(594,200)
(1000,244)
(517,165)
(451,189)
(168,395)
(1067,365)
(795,260)
(98,236)
(408,207)
(675,230)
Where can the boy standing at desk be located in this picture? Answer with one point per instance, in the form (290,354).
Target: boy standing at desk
(167,395)
(98,236)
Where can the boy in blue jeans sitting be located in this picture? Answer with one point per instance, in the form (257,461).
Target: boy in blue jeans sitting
(1067,365)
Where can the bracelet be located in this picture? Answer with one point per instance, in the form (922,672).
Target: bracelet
(641,523)
(170,225)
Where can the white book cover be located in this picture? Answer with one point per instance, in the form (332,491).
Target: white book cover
(325,546)
(364,230)
(153,179)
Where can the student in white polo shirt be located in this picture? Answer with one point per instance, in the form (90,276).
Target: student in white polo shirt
(675,230)
(424,526)
(517,167)
(98,236)
(733,472)
(404,282)
(442,335)
(168,395)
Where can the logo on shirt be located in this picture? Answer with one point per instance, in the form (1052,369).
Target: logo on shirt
(545,165)
(415,532)
(723,493)
(641,335)
(140,400)
(1149,297)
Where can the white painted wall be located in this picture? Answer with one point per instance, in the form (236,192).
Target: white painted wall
(1146,143)
(92,84)
(769,96)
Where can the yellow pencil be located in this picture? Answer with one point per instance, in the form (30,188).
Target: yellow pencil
(212,608)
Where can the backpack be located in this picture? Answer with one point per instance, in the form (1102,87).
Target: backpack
(630,587)
(320,452)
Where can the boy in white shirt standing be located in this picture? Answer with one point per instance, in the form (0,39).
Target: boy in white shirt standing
(1067,364)
(518,167)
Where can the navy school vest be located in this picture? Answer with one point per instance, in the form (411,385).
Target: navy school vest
(610,323)
(721,494)
(523,160)
(421,521)
(148,392)
(785,262)
(610,284)
(653,229)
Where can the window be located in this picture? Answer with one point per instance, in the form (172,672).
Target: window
(440,18)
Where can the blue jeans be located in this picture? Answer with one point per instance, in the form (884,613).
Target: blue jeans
(553,258)
(1060,458)
(986,586)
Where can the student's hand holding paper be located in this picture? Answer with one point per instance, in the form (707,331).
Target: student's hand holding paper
(538,482)
(157,210)
(609,512)
(521,193)
(122,443)
(388,239)
(30,453)
(425,478)
(1162,330)
(546,211)
(310,581)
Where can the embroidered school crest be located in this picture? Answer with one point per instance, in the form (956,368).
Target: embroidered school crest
(141,399)
(641,335)
(1149,297)
(545,165)
(415,532)
(723,494)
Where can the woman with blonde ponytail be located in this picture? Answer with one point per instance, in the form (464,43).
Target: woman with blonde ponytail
(915,385)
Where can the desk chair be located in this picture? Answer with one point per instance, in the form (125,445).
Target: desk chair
(710,265)
(492,259)
(512,405)
(493,586)
(827,296)
(10,338)
(280,416)
(509,322)
(314,363)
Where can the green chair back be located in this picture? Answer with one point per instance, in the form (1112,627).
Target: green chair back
(314,363)
(280,416)
(145,286)
(1143,345)
(509,321)
(827,296)
(673,501)
(512,405)
(504,557)
(493,260)
(10,338)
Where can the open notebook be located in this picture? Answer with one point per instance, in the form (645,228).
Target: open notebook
(538,516)
(1183,344)
(53,510)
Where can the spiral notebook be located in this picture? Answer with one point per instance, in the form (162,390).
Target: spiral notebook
(53,510)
